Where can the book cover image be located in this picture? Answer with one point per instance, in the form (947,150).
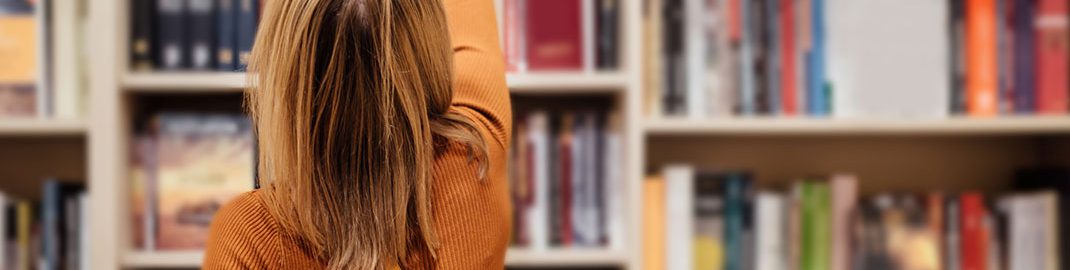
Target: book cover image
(18,48)
(204,161)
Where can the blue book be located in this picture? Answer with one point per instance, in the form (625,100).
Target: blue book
(172,34)
(202,34)
(226,36)
(1024,61)
(747,95)
(818,96)
(248,16)
(736,217)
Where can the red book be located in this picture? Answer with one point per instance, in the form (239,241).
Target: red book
(554,35)
(512,35)
(973,235)
(1051,55)
(787,57)
(735,24)
(982,72)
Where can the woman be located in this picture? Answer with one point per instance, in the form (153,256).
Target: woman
(382,127)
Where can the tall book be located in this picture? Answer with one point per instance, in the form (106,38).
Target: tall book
(771,48)
(654,220)
(1024,57)
(1050,178)
(204,161)
(721,59)
(171,34)
(982,71)
(54,219)
(818,89)
(748,96)
(1052,55)
(1032,230)
(953,233)
(539,172)
(248,15)
(68,59)
(674,57)
(771,245)
(679,216)
(554,34)
(737,218)
(788,76)
(562,208)
(844,189)
(226,56)
(956,32)
(613,187)
(24,214)
(5,202)
(816,230)
(202,20)
(20,51)
(973,236)
(709,221)
(695,95)
(513,34)
(142,40)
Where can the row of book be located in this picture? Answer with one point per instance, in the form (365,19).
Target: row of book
(850,59)
(50,234)
(196,35)
(720,220)
(561,35)
(566,180)
(44,68)
(184,167)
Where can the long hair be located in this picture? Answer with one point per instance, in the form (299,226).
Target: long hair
(350,100)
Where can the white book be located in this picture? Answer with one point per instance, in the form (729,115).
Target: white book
(695,49)
(614,175)
(84,245)
(43,14)
(770,249)
(587,20)
(538,215)
(888,58)
(1032,225)
(3,231)
(67,62)
(679,235)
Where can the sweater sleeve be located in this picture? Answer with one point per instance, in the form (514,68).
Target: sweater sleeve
(480,92)
(242,236)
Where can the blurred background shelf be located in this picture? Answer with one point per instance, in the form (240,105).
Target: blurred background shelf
(809,126)
(184,81)
(566,83)
(41,127)
(513,258)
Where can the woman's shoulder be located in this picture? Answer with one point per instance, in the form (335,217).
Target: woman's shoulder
(243,234)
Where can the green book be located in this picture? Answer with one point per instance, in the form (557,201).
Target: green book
(816,226)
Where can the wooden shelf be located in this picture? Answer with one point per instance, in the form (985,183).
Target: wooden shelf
(41,127)
(527,83)
(808,126)
(172,82)
(514,257)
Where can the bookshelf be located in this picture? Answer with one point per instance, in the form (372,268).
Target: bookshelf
(888,154)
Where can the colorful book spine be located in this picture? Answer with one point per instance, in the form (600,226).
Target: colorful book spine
(737,192)
(512,28)
(709,221)
(554,34)
(844,196)
(819,90)
(816,229)
(1052,52)
(973,235)
(982,71)
(787,55)
(654,219)
(696,97)
(1024,57)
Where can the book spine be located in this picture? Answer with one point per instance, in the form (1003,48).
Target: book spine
(564,178)
(172,35)
(787,55)
(588,22)
(67,71)
(748,93)
(608,34)
(674,58)
(1024,57)
(957,55)
(83,231)
(654,219)
(981,58)
(23,244)
(819,91)
(248,17)
(770,244)
(50,236)
(816,235)
(1052,52)
(772,57)
(973,236)
(226,36)
(680,215)
(554,35)
(1004,98)
(44,77)
(540,171)
(5,202)
(953,247)
(695,95)
(737,187)
(709,221)
(513,25)
(142,42)
(844,197)
(202,25)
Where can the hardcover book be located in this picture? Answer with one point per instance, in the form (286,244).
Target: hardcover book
(19,49)
(554,35)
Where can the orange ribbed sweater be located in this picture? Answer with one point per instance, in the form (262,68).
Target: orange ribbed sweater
(472,217)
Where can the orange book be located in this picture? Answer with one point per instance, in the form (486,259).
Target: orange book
(654,223)
(981,70)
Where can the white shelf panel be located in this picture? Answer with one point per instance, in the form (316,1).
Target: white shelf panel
(41,127)
(513,257)
(808,126)
(184,82)
(566,83)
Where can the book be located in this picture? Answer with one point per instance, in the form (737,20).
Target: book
(771,57)
(695,92)
(18,79)
(869,76)
(771,245)
(973,236)
(1052,56)
(787,56)
(654,221)
(608,31)
(981,58)
(721,61)
(674,58)
(653,78)
(513,20)
(818,90)
(614,192)
(709,221)
(737,218)
(54,218)
(248,17)
(1032,230)
(203,162)
(588,21)
(748,96)
(566,171)
(142,35)
(844,194)
(679,213)
(171,34)
(24,213)
(540,172)
(1044,178)
(69,81)
(554,35)
(202,34)
(1024,57)
(816,230)
(226,54)
(952,237)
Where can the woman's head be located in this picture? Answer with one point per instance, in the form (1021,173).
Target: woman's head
(351,104)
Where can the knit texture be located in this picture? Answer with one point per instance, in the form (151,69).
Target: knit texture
(471,216)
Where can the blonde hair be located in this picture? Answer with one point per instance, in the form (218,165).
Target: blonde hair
(350,100)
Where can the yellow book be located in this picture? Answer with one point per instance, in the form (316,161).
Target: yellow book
(654,223)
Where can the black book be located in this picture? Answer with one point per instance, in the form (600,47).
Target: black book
(760,31)
(202,29)
(226,55)
(608,32)
(142,41)
(171,35)
(957,69)
(54,233)
(553,182)
(248,16)
(675,67)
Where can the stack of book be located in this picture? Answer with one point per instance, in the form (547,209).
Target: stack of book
(566,180)
(561,35)
(719,220)
(44,69)
(199,35)
(184,167)
(50,234)
(851,59)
